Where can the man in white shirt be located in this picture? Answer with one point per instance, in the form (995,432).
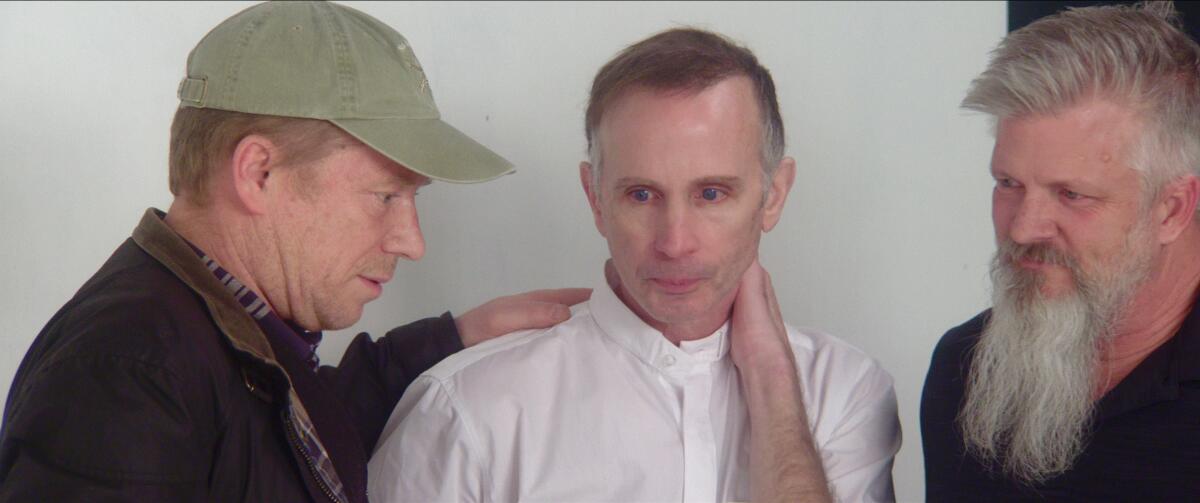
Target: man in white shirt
(678,380)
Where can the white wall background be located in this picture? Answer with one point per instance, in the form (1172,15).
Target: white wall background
(884,241)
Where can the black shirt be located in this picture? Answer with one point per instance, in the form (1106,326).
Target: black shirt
(1144,446)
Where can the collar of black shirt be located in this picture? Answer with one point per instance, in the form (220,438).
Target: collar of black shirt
(1160,375)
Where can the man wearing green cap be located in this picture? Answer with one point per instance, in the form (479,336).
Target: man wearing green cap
(185,369)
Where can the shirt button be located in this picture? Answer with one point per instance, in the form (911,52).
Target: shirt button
(667,360)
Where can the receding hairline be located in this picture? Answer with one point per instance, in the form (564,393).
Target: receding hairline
(747,97)
(690,92)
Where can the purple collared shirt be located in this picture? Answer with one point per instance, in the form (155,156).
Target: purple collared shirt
(302,342)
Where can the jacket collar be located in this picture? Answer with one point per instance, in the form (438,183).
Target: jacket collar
(161,242)
(164,245)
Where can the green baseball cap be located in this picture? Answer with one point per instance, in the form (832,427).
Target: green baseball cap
(320,60)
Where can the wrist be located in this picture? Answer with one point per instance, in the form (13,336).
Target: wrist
(767,366)
(764,385)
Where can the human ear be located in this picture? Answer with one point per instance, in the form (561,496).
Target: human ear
(1176,208)
(250,166)
(777,192)
(593,194)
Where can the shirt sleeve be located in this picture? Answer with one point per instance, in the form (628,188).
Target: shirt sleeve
(427,451)
(858,454)
(374,374)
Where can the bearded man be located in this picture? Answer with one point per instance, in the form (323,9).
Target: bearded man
(1082,383)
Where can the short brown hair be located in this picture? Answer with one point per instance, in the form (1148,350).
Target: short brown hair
(203,138)
(686,60)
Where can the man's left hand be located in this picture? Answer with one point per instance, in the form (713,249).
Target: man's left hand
(784,463)
(535,309)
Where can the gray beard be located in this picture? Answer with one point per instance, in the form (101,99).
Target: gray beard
(1028,405)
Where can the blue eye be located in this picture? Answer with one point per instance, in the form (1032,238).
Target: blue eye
(640,195)
(1071,195)
(710,194)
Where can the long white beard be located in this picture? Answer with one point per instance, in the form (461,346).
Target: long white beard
(1029,404)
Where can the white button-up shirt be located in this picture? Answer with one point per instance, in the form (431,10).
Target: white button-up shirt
(602,407)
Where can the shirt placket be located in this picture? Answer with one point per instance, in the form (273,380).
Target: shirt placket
(699,447)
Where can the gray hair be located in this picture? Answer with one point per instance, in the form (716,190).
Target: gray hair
(1134,56)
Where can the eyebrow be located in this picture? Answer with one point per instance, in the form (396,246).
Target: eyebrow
(1085,183)
(734,182)
(629,181)
(394,182)
(730,181)
(409,177)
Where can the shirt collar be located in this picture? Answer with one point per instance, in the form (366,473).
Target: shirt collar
(1158,377)
(1186,364)
(624,327)
(302,342)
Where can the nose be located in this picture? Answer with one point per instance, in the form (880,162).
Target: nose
(676,236)
(1032,220)
(404,237)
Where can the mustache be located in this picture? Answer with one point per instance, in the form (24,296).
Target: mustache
(1039,252)
(1023,284)
(383,268)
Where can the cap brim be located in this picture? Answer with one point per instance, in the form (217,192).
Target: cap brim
(429,147)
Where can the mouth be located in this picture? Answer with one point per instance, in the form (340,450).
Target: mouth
(676,286)
(1031,263)
(374,283)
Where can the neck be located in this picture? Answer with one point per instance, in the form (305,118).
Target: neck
(691,330)
(1155,313)
(221,238)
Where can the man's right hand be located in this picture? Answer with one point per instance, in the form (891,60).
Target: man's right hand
(760,341)
(529,310)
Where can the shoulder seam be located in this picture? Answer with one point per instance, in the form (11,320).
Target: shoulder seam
(473,441)
(503,343)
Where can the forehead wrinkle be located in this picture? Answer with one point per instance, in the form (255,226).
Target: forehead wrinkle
(1103,137)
